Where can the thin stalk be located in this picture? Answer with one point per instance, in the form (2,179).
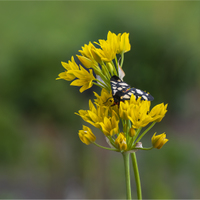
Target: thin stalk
(137,176)
(145,132)
(146,149)
(104,147)
(105,69)
(115,71)
(122,59)
(117,66)
(101,86)
(127,174)
(102,83)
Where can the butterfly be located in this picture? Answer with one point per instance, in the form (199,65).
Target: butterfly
(122,91)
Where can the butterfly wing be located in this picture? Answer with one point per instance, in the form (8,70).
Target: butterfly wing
(117,85)
(137,93)
(122,91)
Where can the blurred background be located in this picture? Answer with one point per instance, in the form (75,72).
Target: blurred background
(41,155)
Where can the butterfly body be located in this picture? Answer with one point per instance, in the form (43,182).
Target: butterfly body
(122,91)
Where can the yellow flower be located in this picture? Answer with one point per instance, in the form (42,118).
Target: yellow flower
(85,79)
(121,142)
(88,51)
(158,112)
(110,125)
(124,44)
(87,58)
(107,52)
(86,135)
(123,108)
(138,113)
(103,98)
(86,61)
(158,140)
(109,47)
(70,67)
(93,116)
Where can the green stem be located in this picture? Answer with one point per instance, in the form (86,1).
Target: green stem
(105,147)
(114,67)
(122,59)
(137,176)
(117,66)
(145,132)
(127,174)
(146,149)
(103,84)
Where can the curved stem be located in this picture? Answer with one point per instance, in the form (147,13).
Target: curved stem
(137,176)
(122,59)
(127,174)
(104,147)
(103,84)
(146,149)
(145,132)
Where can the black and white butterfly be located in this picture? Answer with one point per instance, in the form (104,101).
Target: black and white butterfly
(122,91)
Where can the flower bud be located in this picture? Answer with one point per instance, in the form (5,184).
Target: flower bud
(132,132)
(158,140)
(121,142)
(86,135)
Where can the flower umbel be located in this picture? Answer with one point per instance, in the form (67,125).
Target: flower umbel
(121,113)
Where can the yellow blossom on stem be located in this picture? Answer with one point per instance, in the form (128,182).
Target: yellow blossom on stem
(138,113)
(123,108)
(86,61)
(86,135)
(85,79)
(70,67)
(95,115)
(103,98)
(158,140)
(86,50)
(110,125)
(158,112)
(124,44)
(107,52)
(121,142)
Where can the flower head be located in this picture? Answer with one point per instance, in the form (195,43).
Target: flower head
(114,109)
(158,140)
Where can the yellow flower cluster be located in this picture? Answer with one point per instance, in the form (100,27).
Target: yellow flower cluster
(98,65)
(98,60)
(133,114)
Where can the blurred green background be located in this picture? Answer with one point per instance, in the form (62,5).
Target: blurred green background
(41,155)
